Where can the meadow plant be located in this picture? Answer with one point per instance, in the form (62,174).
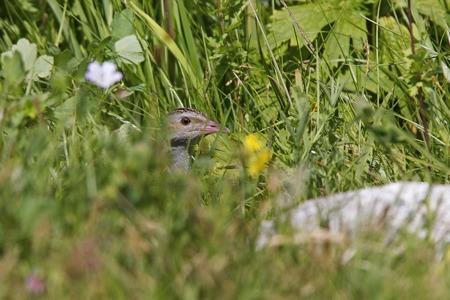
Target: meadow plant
(320,97)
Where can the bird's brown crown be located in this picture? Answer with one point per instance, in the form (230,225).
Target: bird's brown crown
(187,109)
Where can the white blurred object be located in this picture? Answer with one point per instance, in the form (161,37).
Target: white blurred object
(416,207)
(103,75)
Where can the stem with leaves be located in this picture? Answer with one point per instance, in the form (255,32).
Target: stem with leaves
(422,110)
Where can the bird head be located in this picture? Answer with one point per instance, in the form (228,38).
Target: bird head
(188,125)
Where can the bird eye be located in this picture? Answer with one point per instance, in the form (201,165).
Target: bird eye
(185,121)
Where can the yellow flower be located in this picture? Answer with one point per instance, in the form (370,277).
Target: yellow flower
(252,144)
(256,153)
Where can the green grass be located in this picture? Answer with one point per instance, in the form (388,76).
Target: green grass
(88,205)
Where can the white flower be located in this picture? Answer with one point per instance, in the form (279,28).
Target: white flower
(104,75)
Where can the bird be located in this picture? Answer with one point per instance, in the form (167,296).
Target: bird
(186,127)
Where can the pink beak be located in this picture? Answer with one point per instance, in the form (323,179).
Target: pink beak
(212,127)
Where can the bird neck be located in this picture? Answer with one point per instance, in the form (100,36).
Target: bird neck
(181,157)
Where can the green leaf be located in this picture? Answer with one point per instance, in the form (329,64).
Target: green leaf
(312,18)
(67,109)
(122,24)
(445,70)
(27,51)
(43,66)
(436,10)
(343,17)
(13,69)
(129,49)
(66,61)
(97,47)
(348,29)
(52,49)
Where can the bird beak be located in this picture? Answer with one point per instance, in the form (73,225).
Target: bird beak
(212,127)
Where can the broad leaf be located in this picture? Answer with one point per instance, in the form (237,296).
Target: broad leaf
(347,26)
(43,66)
(13,69)
(27,51)
(129,49)
(122,24)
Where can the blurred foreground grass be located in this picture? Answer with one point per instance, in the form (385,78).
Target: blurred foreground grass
(115,224)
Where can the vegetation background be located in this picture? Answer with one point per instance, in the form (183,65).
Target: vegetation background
(344,94)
